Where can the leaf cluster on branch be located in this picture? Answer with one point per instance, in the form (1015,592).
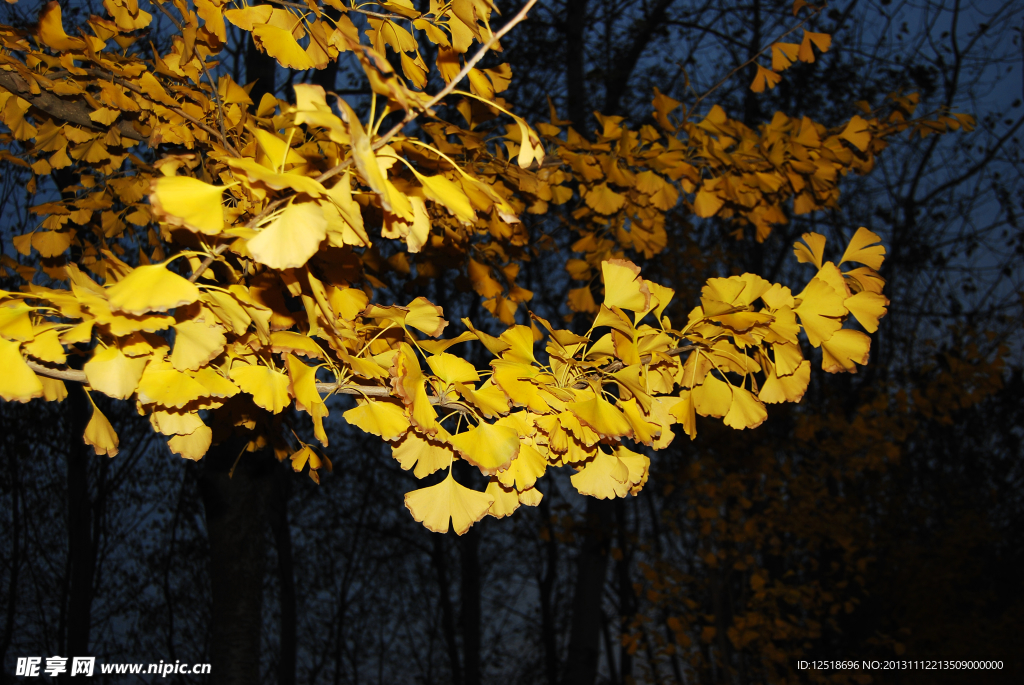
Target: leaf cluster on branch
(217,260)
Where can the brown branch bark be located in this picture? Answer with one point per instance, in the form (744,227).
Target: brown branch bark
(72,112)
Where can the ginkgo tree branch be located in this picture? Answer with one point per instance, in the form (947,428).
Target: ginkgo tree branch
(753,59)
(382,140)
(76,376)
(72,112)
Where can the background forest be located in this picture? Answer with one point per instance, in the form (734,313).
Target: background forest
(882,517)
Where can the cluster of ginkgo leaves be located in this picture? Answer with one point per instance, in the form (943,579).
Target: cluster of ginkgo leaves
(625,379)
(216,259)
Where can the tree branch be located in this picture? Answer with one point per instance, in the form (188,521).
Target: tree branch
(72,112)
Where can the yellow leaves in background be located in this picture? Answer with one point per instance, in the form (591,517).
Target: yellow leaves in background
(783,57)
(448,501)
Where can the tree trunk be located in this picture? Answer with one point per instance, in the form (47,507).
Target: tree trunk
(81,545)
(575,62)
(286,578)
(469,552)
(236,513)
(591,569)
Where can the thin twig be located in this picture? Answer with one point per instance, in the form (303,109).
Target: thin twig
(75,376)
(381,141)
(213,86)
(751,60)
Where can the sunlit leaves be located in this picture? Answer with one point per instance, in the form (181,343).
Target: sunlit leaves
(17,382)
(448,502)
(291,238)
(190,203)
(489,447)
(114,374)
(151,288)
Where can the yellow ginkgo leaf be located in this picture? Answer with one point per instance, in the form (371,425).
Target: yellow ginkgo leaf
(822,41)
(707,203)
(164,385)
(520,345)
(114,374)
(525,468)
(280,44)
(488,447)
(268,387)
(449,195)
(46,347)
(530,497)
(685,412)
(856,132)
(448,501)
(489,399)
(604,477)
(623,286)
(427,455)
(194,445)
(291,238)
(819,311)
(214,383)
(425,316)
(100,434)
(17,382)
(783,55)
(844,350)
(151,288)
(53,389)
(713,398)
(764,77)
(452,369)
(362,153)
(189,203)
(506,500)
(195,345)
(51,30)
(602,416)
(746,410)
(868,308)
(639,467)
(813,251)
(175,422)
(790,388)
(16,321)
(864,248)
(643,431)
(385,419)
(604,200)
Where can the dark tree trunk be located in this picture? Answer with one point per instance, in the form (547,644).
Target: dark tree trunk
(286,577)
(575,62)
(261,68)
(591,569)
(469,551)
(236,517)
(81,545)
(546,585)
(440,560)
